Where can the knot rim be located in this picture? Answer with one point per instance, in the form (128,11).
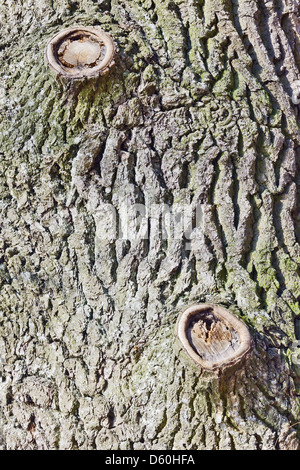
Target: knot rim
(224,315)
(77,73)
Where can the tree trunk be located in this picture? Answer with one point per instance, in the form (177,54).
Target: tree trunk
(200,108)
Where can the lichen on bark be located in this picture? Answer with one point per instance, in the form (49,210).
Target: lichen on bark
(198,108)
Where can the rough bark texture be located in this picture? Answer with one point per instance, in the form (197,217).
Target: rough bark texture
(198,108)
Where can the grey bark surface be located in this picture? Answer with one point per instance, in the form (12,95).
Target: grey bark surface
(197,109)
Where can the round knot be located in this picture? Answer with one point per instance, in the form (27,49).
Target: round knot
(80,52)
(212,336)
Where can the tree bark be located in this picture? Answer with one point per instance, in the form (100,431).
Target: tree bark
(201,107)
